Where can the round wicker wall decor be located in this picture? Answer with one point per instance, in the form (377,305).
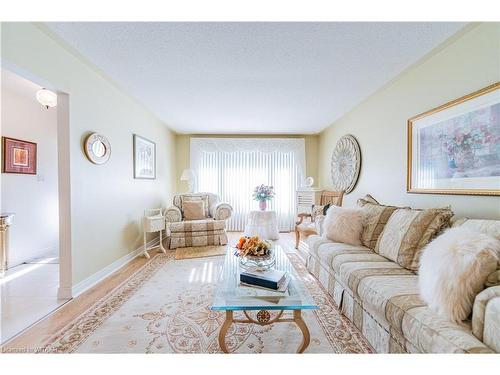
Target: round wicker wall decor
(345,164)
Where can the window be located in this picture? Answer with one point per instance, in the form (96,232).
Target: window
(232,167)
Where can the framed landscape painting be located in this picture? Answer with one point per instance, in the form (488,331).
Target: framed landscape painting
(18,156)
(144,158)
(455,148)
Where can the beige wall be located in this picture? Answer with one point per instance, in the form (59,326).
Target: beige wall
(182,152)
(33,198)
(107,203)
(466,63)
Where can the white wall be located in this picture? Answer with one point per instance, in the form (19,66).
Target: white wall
(33,198)
(107,203)
(466,63)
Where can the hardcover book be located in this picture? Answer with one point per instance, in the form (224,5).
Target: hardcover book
(271,279)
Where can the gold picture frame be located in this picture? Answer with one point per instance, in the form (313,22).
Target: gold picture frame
(456,178)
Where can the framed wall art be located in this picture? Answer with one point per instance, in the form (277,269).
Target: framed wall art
(455,148)
(144,158)
(18,156)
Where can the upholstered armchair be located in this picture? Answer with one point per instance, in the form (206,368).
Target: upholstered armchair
(317,215)
(209,228)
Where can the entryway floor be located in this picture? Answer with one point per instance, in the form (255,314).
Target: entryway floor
(28,293)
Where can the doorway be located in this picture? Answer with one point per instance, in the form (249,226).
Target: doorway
(37,267)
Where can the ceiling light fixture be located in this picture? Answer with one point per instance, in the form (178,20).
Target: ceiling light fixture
(46,98)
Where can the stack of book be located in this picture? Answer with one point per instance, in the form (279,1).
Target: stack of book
(269,279)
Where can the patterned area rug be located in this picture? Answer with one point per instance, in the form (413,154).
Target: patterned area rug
(165,308)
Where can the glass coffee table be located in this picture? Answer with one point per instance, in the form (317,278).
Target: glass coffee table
(231,296)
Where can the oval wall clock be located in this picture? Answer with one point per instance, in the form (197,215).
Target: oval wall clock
(97,148)
(346,163)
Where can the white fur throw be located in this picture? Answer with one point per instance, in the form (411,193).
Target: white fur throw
(343,225)
(453,270)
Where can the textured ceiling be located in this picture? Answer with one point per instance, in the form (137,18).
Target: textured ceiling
(252,77)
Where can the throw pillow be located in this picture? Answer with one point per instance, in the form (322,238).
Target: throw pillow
(343,225)
(319,210)
(453,270)
(407,232)
(376,217)
(193,210)
(194,198)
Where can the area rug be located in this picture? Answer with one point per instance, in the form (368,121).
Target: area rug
(165,308)
(199,252)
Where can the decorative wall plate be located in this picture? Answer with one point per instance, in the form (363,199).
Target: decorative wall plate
(346,163)
(97,148)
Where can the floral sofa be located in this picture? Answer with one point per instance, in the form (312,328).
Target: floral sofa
(382,299)
(210,230)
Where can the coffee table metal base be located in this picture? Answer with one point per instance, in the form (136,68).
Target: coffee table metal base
(264,319)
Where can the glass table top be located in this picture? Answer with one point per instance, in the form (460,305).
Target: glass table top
(231,295)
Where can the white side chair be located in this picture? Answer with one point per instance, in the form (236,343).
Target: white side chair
(153,221)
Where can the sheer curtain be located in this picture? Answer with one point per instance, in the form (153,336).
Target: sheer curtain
(232,167)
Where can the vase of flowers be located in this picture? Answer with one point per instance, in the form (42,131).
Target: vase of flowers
(263,193)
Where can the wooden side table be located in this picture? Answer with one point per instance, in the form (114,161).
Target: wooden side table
(153,221)
(263,224)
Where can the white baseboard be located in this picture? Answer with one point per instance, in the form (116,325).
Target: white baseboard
(89,282)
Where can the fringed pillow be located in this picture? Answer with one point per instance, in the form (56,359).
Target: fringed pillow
(343,225)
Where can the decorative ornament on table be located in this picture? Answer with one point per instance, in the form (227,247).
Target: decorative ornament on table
(263,193)
(308,182)
(346,163)
(254,253)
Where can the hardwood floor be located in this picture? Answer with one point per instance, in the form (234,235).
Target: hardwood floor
(34,337)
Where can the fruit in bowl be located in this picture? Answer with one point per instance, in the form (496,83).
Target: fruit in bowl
(252,246)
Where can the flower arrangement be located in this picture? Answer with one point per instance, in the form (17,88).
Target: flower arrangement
(461,146)
(253,246)
(263,193)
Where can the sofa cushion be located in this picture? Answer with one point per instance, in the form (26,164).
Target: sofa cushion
(376,217)
(355,274)
(196,198)
(197,225)
(325,250)
(339,258)
(193,210)
(408,231)
(209,199)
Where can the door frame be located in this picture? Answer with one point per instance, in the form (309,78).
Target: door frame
(64,177)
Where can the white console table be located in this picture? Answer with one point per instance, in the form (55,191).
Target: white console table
(263,224)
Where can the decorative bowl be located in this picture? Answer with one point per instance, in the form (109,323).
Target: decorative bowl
(258,263)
